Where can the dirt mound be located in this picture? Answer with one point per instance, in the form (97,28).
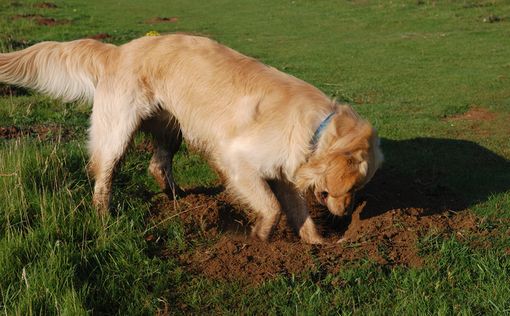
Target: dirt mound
(41,20)
(474,114)
(43,132)
(12,43)
(420,195)
(8,90)
(100,36)
(157,20)
(229,253)
(45,5)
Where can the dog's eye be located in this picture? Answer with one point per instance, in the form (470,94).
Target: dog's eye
(324,194)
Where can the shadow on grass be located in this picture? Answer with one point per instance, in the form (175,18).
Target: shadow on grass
(215,190)
(435,175)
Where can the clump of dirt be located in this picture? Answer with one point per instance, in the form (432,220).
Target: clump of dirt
(157,20)
(41,20)
(45,5)
(205,213)
(229,253)
(8,91)
(14,43)
(474,114)
(25,16)
(8,132)
(493,19)
(481,123)
(43,132)
(100,36)
(51,21)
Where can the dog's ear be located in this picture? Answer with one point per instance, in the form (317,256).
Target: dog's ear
(363,168)
(367,152)
(343,174)
(361,157)
(311,174)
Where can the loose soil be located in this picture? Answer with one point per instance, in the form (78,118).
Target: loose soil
(377,231)
(14,43)
(45,5)
(12,91)
(100,36)
(480,122)
(41,20)
(43,132)
(474,114)
(157,20)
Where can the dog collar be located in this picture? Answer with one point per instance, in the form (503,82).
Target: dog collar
(320,129)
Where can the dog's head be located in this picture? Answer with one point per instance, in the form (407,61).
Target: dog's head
(346,158)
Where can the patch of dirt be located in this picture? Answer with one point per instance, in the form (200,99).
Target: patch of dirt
(100,36)
(493,19)
(14,43)
(474,114)
(229,253)
(157,20)
(43,132)
(41,20)
(45,5)
(25,16)
(420,195)
(479,123)
(8,91)
(50,21)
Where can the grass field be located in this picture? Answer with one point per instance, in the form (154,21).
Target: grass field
(432,76)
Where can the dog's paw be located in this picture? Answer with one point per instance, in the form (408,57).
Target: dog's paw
(101,202)
(309,234)
(265,225)
(261,231)
(316,240)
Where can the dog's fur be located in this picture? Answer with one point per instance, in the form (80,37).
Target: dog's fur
(254,122)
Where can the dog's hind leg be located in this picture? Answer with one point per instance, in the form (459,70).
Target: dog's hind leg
(113,124)
(166,139)
(294,207)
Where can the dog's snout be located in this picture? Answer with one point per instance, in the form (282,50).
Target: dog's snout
(341,206)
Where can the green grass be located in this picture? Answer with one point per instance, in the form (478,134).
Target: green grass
(405,65)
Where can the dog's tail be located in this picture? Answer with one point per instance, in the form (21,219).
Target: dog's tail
(67,70)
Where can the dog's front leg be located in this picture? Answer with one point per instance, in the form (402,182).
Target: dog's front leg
(254,190)
(294,206)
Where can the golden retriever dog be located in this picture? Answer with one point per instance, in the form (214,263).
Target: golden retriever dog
(270,135)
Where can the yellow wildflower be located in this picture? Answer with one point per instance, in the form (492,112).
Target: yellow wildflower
(152,33)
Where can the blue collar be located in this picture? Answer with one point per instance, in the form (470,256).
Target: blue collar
(320,129)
